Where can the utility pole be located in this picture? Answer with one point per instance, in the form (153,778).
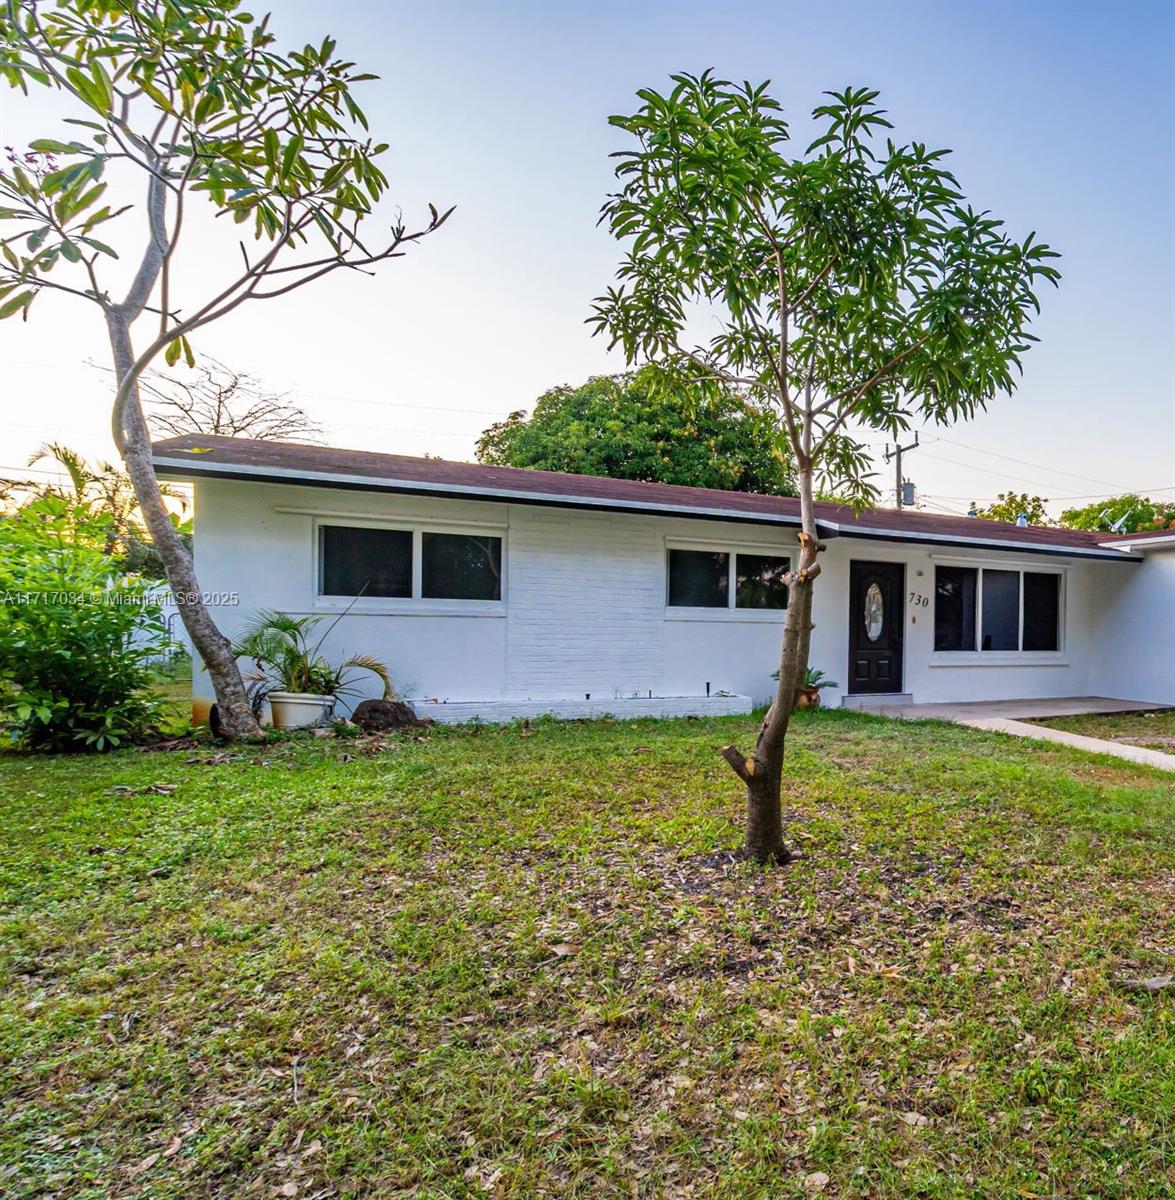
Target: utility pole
(897,453)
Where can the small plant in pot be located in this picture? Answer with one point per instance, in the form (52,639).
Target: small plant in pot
(808,693)
(292,673)
(808,696)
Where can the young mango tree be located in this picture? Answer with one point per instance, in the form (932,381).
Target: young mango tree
(190,103)
(850,287)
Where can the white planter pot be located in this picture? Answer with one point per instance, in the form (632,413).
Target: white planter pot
(297,710)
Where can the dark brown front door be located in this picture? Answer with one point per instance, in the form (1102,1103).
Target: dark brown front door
(876,623)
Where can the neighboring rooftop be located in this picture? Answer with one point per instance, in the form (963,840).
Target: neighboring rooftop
(1143,540)
(196,455)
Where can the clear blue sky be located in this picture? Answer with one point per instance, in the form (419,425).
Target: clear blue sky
(1062,117)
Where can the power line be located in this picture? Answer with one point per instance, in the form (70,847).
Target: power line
(1025,463)
(479,412)
(1144,491)
(954,512)
(954,462)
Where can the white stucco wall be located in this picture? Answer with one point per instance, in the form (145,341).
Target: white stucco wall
(584,611)
(1135,632)
(933,677)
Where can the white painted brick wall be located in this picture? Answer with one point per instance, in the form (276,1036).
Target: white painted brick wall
(586,605)
(500,711)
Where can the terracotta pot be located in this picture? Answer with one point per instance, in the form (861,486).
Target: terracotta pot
(808,698)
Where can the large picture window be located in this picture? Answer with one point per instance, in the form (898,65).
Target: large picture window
(408,564)
(723,579)
(996,609)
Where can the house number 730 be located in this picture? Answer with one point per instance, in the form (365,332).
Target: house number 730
(919,600)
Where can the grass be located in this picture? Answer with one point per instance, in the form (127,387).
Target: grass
(1155,730)
(172,684)
(519,962)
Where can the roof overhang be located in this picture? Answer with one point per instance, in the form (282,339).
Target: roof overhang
(1164,539)
(185,468)
(171,468)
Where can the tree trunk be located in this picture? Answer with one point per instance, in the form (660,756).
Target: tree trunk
(134,442)
(763,771)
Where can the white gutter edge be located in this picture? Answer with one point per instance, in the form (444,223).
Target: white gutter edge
(1160,540)
(190,466)
(958,539)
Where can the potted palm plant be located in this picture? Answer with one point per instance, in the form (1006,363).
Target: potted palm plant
(291,672)
(808,693)
(808,696)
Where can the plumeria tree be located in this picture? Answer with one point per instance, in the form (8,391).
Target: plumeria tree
(849,286)
(191,103)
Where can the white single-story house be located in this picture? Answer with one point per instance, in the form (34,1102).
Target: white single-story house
(493,592)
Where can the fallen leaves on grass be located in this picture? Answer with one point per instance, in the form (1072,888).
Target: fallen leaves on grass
(538,966)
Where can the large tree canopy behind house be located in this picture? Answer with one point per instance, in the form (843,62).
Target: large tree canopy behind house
(1123,514)
(627,427)
(1009,506)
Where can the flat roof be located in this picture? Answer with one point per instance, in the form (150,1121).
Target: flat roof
(196,456)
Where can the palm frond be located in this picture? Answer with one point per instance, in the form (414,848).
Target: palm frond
(368,662)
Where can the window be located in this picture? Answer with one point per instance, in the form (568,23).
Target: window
(1001,610)
(699,579)
(954,608)
(365,562)
(1042,611)
(759,581)
(727,579)
(408,564)
(996,609)
(461,566)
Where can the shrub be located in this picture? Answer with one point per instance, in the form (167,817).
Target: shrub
(75,636)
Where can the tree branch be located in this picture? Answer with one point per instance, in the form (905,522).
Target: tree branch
(742,766)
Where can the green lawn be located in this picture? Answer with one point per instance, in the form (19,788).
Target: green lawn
(518,963)
(173,685)
(1153,729)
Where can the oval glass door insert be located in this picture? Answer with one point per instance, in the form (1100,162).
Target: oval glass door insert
(874,612)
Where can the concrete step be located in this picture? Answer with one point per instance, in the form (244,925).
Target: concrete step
(872,700)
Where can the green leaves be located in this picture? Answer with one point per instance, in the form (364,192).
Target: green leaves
(851,275)
(16,304)
(176,349)
(96,88)
(74,668)
(275,140)
(649,425)
(51,146)
(290,155)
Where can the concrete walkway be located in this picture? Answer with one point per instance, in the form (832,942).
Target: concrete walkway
(1012,716)
(1138,754)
